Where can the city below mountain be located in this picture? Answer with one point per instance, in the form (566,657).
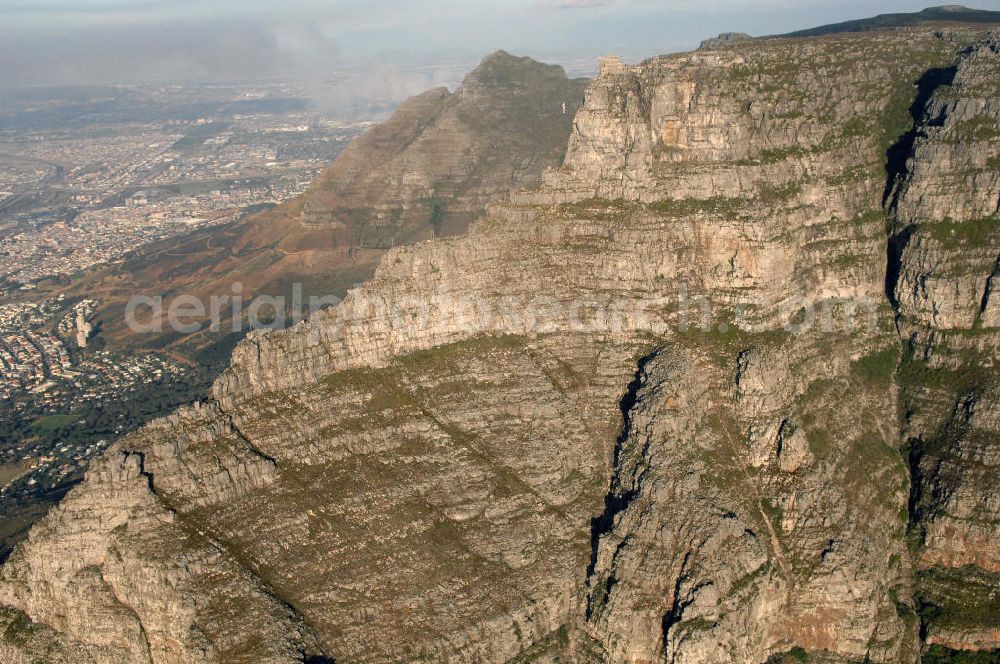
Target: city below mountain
(694,362)
(426,172)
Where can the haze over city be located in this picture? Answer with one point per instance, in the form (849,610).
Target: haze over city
(403,47)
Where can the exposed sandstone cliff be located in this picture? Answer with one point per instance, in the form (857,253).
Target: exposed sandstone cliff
(508,446)
(944,258)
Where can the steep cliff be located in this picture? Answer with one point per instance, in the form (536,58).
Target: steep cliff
(527,443)
(944,263)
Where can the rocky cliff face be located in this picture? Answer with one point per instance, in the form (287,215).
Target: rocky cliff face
(944,258)
(525,444)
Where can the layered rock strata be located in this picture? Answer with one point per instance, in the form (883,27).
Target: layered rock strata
(522,444)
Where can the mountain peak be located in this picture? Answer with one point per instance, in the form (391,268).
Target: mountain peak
(499,54)
(501,68)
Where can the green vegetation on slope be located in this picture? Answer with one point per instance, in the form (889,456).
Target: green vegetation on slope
(940,655)
(959,598)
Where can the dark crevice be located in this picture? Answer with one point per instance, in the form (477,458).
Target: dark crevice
(673,615)
(897,158)
(679,603)
(782,432)
(922,467)
(899,153)
(894,262)
(616,500)
(230,420)
(612,580)
(988,291)
(141,456)
(915,451)
(148,475)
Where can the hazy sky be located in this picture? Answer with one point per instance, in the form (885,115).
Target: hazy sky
(86,41)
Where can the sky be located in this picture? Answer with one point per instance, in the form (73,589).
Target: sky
(397,47)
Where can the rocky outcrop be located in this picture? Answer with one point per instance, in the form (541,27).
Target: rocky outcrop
(135,583)
(649,411)
(723,39)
